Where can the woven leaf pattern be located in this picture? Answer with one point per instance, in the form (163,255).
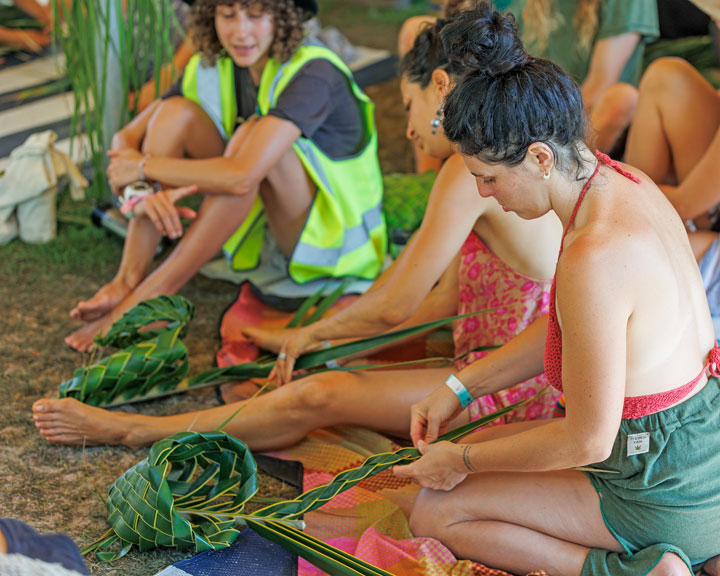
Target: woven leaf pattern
(186,493)
(159,364)
(175,310)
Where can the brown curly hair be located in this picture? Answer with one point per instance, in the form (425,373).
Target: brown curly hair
(287,17)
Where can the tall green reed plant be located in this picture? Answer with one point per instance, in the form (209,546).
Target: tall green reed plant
(108,47)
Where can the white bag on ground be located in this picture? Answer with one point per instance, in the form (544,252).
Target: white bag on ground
(29,187)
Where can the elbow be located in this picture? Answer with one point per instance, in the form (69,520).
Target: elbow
(594,450)
(394,314)
(240,183)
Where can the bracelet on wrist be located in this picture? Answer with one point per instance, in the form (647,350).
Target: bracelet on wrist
(141,165)
(466,458)
(332,364)
(460,391)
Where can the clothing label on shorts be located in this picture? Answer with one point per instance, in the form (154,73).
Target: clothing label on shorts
(638,443)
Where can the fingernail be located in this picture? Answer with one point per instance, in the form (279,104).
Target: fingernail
(39,408)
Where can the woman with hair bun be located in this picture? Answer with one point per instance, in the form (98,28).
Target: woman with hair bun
(627,482)
(273,129)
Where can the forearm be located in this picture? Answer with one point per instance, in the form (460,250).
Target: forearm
(211,175)
(521,358)
(553,446)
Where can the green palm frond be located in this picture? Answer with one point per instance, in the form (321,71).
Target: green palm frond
(157,364)
(374,465)
(154,362)
(186,493)
(175,310)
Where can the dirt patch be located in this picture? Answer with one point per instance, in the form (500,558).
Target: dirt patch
(58,489)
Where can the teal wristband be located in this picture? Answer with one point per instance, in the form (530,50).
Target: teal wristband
(460,391)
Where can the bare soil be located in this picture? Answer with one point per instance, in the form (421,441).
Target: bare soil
(60,489)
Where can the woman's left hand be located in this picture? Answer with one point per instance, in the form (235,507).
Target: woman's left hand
(439,468)
(123,167)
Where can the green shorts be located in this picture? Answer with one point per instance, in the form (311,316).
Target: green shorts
(666,494)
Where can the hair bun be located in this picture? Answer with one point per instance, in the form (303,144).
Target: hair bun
(484,41)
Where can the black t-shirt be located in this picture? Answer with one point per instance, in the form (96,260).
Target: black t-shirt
(318,100)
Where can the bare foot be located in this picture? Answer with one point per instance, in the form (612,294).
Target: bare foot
(68,421)
(712,567)
(104,300)
(83,339)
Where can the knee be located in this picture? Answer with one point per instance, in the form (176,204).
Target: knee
(410,30)
(670,565)
(431,514)
(616,107)
(321,392)
(174,116)
(664,74)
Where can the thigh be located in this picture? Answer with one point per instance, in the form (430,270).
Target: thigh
(377,399)
(562,504)
(287,194)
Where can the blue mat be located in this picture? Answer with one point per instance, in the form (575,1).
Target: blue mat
(250,554)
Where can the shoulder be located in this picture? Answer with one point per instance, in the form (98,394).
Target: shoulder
(598,270)
(455,183)
(322,69)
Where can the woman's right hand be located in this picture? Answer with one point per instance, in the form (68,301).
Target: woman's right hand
(297,343)
(430,417)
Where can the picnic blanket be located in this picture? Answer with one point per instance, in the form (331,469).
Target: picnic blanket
(369,520)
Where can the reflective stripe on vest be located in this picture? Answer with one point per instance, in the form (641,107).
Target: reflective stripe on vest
(213,88)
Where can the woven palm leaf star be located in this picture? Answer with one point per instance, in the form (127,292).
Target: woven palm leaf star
(154,364)
(188,492)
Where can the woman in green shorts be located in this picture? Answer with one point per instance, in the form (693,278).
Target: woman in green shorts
(627,482)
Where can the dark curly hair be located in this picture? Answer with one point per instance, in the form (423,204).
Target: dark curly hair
(428,54)
(287,16)
(507,99)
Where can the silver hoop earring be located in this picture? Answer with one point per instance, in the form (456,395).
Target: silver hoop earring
(546,175)
(435,122)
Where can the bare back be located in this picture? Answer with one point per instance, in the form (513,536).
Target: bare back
(668,327)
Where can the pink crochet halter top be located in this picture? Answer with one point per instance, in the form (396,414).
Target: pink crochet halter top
(634,406)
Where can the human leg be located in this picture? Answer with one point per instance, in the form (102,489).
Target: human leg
(612,114)
(410,30)
(517,522)
(179,128)
(282,417)
(676,119)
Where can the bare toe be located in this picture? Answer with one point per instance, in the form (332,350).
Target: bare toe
(102,302)
(68,421)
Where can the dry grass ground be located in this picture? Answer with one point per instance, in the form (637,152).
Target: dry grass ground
(57,488)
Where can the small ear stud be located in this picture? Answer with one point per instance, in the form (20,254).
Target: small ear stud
(546,175)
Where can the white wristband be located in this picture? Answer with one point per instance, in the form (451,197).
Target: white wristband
(460,391)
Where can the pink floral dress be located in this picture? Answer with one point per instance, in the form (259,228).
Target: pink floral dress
(486,281)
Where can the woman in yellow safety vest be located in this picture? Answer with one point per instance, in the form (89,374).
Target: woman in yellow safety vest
(273,130)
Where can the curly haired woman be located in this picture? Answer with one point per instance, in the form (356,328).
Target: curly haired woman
(269,127)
